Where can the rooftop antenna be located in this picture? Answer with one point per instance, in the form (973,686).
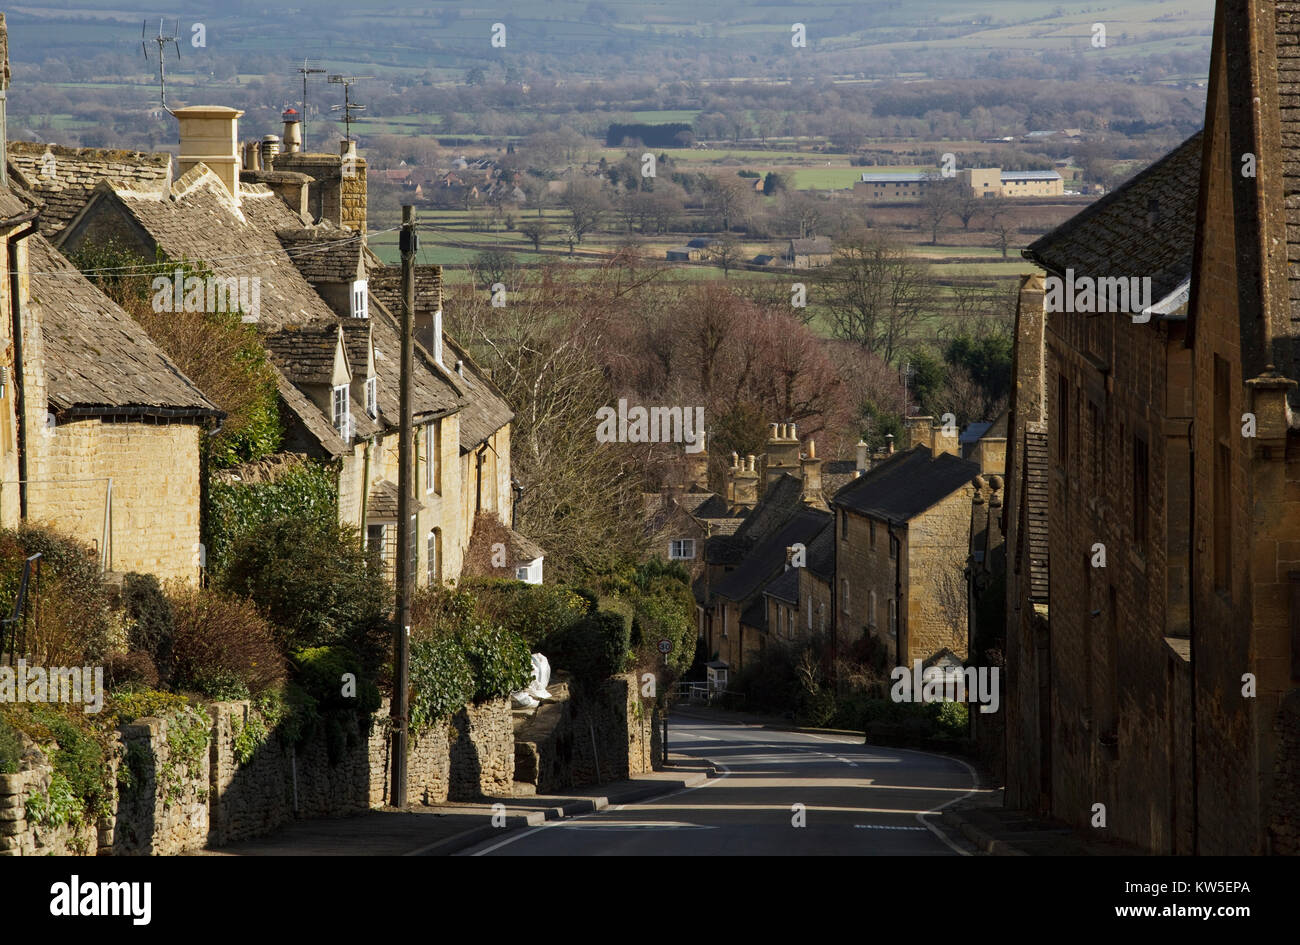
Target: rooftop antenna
(162,40)
(347,81)
(306,71)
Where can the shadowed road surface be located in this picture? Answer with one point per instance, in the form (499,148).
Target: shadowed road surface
(856,800)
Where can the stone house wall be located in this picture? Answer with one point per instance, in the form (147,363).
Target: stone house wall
(1115,679)
(936,547)
(154,468)
(871,575)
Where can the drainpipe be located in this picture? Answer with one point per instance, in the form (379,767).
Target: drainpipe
(898,597)
(365,485)
(16,308)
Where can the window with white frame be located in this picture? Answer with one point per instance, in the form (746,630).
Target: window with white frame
(341,411)
(681,549)
(360,299)
(432,455)
(372,397)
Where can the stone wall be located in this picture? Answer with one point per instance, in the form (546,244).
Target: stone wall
(589,737)
(20,837)
(481,744)
(163,809)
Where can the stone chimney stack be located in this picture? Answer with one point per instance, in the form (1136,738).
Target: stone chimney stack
(210,135)
(252,156)
(889,438)
(292,131)
(338,190)
(811,472)
(746,484)
(729,481)
(697,466)
(920,432)
(782,452)
(864,460)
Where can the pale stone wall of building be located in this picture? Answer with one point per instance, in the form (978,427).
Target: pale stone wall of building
(937,546)
(153,524)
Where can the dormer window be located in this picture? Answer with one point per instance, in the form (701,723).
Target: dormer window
(372,397)
(341,412)
(360,300)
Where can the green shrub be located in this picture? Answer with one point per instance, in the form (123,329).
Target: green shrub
(442,679)
(152,626)
(595,648)
(315,583)
(951,718)
(535,612)
(501,661)
(76,745)
(306,493)
(320,672)
(125,707)
(11,748)
(59,806)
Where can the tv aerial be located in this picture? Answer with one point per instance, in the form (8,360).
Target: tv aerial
(347,81)
(306,70)
(162,39)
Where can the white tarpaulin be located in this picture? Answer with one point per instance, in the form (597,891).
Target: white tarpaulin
(531,697)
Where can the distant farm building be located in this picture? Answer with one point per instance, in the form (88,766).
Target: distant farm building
(981,181)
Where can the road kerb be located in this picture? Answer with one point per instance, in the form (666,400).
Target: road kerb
(574,807)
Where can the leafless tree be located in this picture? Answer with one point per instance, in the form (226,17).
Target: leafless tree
(939,197)
(875,295)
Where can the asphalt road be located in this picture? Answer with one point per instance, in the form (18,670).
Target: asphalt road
(852,799)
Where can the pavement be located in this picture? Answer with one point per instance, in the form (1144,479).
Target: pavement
(441,829)
(737,783)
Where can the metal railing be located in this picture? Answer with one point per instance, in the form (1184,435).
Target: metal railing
(13,629)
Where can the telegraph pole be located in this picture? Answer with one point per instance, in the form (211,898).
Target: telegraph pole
(408,244)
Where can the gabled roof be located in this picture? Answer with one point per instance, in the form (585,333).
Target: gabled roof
(1146,227)
(485,409)
(385,284)
(76,171)
(905,485)
(821,554)
(198,220)
(98,360)
(785,587)
(325,253)
(782,497)
(306,353)
(769,556)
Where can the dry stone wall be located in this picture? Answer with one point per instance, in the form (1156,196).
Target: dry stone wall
(167,805)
